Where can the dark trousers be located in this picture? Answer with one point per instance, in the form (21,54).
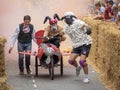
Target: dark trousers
(56,42)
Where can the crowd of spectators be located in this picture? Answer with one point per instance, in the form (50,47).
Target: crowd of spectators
(108,11)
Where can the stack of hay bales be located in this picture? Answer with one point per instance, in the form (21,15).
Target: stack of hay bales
(105,52)
(3,78)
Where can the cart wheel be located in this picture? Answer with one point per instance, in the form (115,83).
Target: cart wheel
(51,69)
(36,66)
(61,66)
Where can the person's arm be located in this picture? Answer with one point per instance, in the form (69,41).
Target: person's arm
(62,34)
(83,26)
(86,28)
(33,35)
(110,13)
(101,14)
(47,29)
(117,20)
(13,39)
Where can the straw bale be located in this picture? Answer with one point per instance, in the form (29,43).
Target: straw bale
(2,59)
(3,79)
(3,84)
(105,52)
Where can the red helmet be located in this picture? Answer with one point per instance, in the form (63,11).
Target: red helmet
(52,21)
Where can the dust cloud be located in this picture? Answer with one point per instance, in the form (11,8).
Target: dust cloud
(12,12)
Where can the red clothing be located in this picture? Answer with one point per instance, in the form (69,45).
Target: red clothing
(106,13)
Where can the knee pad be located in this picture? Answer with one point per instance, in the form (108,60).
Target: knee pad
(71,62)
(82,63)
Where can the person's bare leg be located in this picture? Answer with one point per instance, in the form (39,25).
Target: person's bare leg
(85,68)
(72,59)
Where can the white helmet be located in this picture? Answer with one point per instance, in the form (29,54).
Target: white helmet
(69,17)
(69,14)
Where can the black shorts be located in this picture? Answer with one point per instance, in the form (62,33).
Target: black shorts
(84,49)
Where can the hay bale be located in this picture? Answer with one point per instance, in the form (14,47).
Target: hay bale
(105,52)
(3,79)
(2,59)
(3,84)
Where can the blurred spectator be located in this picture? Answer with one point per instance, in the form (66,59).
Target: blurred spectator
(100,9)
(118,18)
(114,12)
(108,13)
(119,7)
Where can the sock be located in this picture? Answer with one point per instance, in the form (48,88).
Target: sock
(86,75)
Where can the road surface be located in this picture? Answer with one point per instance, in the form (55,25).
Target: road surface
(66,82)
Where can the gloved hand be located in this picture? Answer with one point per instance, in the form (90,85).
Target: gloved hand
(46,38)
(88,30)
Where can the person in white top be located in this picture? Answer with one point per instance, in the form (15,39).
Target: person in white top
(79,32)
(118,18)
(24,33)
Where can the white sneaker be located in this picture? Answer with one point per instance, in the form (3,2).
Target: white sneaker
(86,80)
(78,71)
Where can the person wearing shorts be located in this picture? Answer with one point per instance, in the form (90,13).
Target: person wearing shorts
(79,32)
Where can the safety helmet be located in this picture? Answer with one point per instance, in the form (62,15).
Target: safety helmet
(69,17)
(69,14)
(52,21)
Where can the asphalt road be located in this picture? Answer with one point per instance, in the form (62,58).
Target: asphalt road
(66,82)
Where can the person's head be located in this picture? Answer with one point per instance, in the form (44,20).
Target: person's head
(69,18)
(110,3)
(115,10)
(53,24)
(27,19)
(52,21)
(97,5)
